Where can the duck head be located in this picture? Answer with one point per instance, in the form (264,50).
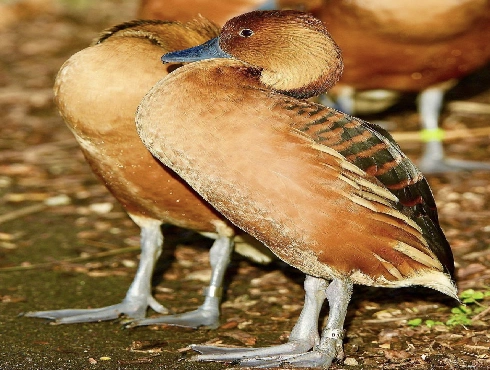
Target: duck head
(291,52)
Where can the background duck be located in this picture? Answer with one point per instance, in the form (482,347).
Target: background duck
(410,46)
(389,48)
(328,193)
(97,92)
(217,11)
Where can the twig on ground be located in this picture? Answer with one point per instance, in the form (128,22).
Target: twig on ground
(481,314)
(21,212)
(71,260)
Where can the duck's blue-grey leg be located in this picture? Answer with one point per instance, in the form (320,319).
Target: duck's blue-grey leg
(304,335)
(339,294)
(433,159)
(345,100)
(138,296)
(268,5)
(330,347)
(208,313)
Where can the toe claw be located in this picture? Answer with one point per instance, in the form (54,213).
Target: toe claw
(157,307)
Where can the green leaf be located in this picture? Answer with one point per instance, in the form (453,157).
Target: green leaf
(467,293)
(471,296)
(461,310)
(431,323)
(414,322)
(458,320)
(479,309)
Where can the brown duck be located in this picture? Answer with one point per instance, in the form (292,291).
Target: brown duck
(328,193)
(97,92)
(421,47)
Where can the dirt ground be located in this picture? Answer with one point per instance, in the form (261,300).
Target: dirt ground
(65,242)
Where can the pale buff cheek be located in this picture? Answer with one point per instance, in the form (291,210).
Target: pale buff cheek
(289,79)
(291,72)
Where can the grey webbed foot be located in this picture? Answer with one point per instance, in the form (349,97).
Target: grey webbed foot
(209,312)
(138,298)
(304,335)
(128,308)
(191,319)
(312,359)
(255,357)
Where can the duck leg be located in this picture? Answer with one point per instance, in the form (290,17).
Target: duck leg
(433,159)
(208,313)
(330,347)
(268,5)
(303,337)
(138,297)
(339,293)
(345,101)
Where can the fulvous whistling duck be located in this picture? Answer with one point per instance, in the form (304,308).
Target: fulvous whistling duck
(328,193)
(410,46)
(97,92)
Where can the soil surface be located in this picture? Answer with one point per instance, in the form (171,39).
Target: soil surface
(65,242)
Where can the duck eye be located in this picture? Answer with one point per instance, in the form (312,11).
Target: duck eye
(246,32)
